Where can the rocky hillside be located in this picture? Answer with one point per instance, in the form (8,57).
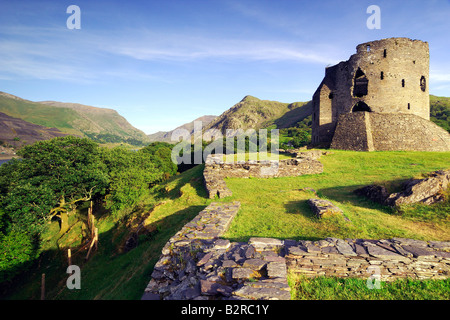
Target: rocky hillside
(15,132)
(100,124)
(254,113)
(165,136)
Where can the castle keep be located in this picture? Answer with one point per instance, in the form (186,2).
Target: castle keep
(378,100)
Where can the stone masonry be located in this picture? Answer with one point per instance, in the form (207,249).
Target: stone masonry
(216,170)
(378,100)
(196,264)
(362,258)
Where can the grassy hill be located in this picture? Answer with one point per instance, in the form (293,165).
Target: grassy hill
(100,124)
(440,111)
(254,113)
(273,207)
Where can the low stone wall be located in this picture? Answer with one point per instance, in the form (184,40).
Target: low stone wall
(196,264)
(358,258)
(216,170)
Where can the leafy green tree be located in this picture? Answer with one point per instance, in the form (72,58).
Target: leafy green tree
(131,174)
(160,154)
(61,170)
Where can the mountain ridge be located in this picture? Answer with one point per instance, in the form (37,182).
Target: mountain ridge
(165,136)
(100,124)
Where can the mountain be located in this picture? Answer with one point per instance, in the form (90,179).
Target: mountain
(254,113)
(16,132)
(165,136)
(99,124)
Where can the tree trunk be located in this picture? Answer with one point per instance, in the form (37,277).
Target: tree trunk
(64,222)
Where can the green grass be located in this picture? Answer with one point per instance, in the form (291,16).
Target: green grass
(332,288)
(274,207)
(277,207)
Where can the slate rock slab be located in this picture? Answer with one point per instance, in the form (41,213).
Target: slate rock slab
(323,208)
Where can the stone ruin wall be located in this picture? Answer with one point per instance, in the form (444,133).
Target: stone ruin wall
(369,131)
(394,69)
(196,264)
(216,170)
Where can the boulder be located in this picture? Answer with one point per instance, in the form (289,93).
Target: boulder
(323,207)
(429,190)
(374,193)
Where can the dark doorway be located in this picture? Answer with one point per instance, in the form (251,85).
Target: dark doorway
(361,106)
(360,84)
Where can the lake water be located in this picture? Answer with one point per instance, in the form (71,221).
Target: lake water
(4,161)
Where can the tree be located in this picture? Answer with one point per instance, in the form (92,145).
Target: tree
(131,173)
(50,173)
(160,154)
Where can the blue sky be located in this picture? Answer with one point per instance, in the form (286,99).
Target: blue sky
(164,63)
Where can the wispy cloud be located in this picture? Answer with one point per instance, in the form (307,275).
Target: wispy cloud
(184,47)
(46,53)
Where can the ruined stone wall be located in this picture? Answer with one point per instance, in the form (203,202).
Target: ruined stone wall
(369,131)
(361,258)
(407,132)
(216,170)
(195,264)
(384,76)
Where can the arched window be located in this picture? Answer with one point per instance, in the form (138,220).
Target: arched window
(423,84)
(360,84)
(361,106)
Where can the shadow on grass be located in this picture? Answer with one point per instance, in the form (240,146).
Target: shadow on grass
(108,274)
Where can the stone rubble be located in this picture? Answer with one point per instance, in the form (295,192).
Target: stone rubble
(428,190)
(323,208)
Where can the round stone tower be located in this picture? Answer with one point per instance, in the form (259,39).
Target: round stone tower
(388,76)
(391,76)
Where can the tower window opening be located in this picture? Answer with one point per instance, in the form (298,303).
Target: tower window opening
(423,84)
(409,106)
(384,53)
(368,48)
(403,83)
(360,84)
(382,75)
